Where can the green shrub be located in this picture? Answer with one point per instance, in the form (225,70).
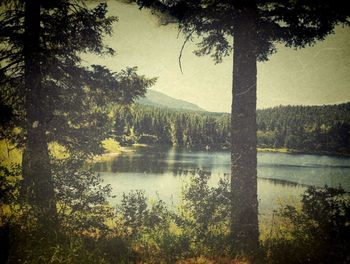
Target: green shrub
(35,247)
(81,235)
(82,198)
(204,214)
(199,226)
(148,228)
(318,232)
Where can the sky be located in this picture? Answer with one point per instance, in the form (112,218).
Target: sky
(311,76)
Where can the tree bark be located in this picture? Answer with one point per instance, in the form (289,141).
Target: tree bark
(244,218)
(38,188)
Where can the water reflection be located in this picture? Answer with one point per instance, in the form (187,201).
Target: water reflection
(278,168)
(283,182)
(161,160)
(163,173)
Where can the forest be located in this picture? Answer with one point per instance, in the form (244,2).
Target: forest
(312,129)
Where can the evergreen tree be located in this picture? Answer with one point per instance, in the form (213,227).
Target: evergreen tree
(255,27)
(53,97)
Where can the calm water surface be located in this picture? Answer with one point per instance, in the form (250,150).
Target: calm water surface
(162,172)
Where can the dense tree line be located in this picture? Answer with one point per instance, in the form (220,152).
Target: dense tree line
(146,124)
(305,128)
(308,128)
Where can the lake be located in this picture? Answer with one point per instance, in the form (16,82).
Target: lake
(162,172)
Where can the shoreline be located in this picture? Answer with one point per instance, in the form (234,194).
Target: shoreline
(305,152)
(121,150)
(131,149)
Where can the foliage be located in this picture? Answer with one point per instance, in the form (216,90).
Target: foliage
(147,227)
(294,23)
(52,98)
(307,128)
(9,153)
(170,127)
(317,233)
(110,146)
(10,177)
(304,128)
(82,199)
(84,214)
(57,68)
(204,214)
(255,27)
(65,249)
(162,235)
(153,232)
(198,230)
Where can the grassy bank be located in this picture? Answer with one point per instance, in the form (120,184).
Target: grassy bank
(10,154)
(296,151)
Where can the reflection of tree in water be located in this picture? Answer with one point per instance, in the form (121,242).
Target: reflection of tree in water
(299,172)
(139,163)
(157,160)
(184,172)
(286,183)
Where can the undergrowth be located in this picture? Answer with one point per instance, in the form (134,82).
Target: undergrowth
(137,230)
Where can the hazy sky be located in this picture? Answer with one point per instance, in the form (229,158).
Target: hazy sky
(315,75)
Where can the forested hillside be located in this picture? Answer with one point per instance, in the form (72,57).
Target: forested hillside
(158,99)
(304,128)
(309,128)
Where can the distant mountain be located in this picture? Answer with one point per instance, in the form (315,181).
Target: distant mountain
(158,99)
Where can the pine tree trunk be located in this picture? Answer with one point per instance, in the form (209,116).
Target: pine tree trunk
(244,221)
(38,189)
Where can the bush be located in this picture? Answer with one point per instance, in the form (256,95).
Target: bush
(82,234)
(318,232)
(111,146)
(34,247)
(204,214)
(147,226)
(82,198)
(199,226)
